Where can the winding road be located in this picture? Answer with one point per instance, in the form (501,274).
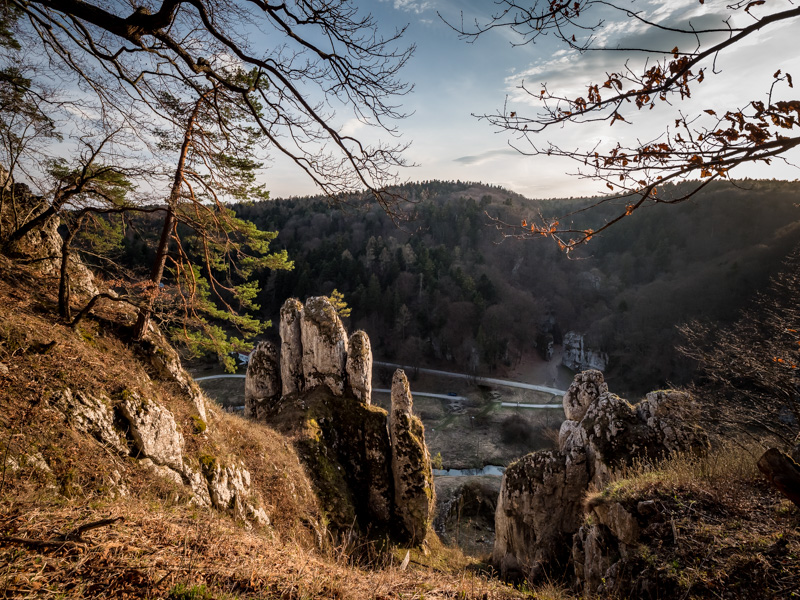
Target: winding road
(480,380)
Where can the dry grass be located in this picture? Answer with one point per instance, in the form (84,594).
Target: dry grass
(54,478)
(724,469)
(160,549)
(716,529)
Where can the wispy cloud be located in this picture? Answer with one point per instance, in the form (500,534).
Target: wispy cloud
(484,157)
(415,6)
(352,126)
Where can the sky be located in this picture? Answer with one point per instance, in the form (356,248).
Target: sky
(454,80)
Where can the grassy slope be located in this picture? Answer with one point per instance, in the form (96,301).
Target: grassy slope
(724,533)
(54,479)
(718,530)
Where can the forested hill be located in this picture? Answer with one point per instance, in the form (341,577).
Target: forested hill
(445,287)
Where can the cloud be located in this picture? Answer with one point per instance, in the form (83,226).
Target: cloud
(568,72)
(415,6)
(484,157)
(352,126)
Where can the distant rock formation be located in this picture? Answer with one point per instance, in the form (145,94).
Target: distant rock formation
(369,467)
(578,357)
(540,507)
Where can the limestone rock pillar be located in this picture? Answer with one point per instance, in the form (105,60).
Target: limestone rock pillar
(324,342)
(359,366)
(411,464)
(262,384)
(291,347)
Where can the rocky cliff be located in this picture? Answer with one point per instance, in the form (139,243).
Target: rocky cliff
(579,357)
(370,468)
(540,509)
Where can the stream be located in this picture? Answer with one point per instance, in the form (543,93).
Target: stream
(493,470)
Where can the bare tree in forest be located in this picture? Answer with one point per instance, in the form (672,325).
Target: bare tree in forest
(750,371)
(705,145)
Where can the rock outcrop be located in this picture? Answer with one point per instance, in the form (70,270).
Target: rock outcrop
(44,244)
(578,357)
(369,467)
(539,508)
(291,347)
(411,463)
(153,430)
(147,430)
(167,365)
(324,342)
(540,504)
(91,415)
(229,487)
(585,387)
(359,366)
(262,384)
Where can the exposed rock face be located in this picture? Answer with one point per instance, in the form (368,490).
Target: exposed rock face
(167,364)
(161,471)
(91,415)
(291,347)
(585,388)
(229,487)
(262,384)
(154,431)
(539,508)
(359,366)
(159,446)
(324,342)
(614,432)
(578,357)
(540,505)
(44,243)
(411,464)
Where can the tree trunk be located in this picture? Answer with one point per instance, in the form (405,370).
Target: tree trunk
(63,282)
(157,273)
(782,472)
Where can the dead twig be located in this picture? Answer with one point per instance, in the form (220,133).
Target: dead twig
(71,538)
(76,535)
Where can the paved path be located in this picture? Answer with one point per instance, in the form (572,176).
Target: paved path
(426,394)
(380,390)
(482,380)
(523,405)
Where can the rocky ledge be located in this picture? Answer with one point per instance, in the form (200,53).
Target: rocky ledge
(541,505)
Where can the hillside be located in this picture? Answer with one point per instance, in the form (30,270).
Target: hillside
(444,288)
(121,480)
(258,535)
